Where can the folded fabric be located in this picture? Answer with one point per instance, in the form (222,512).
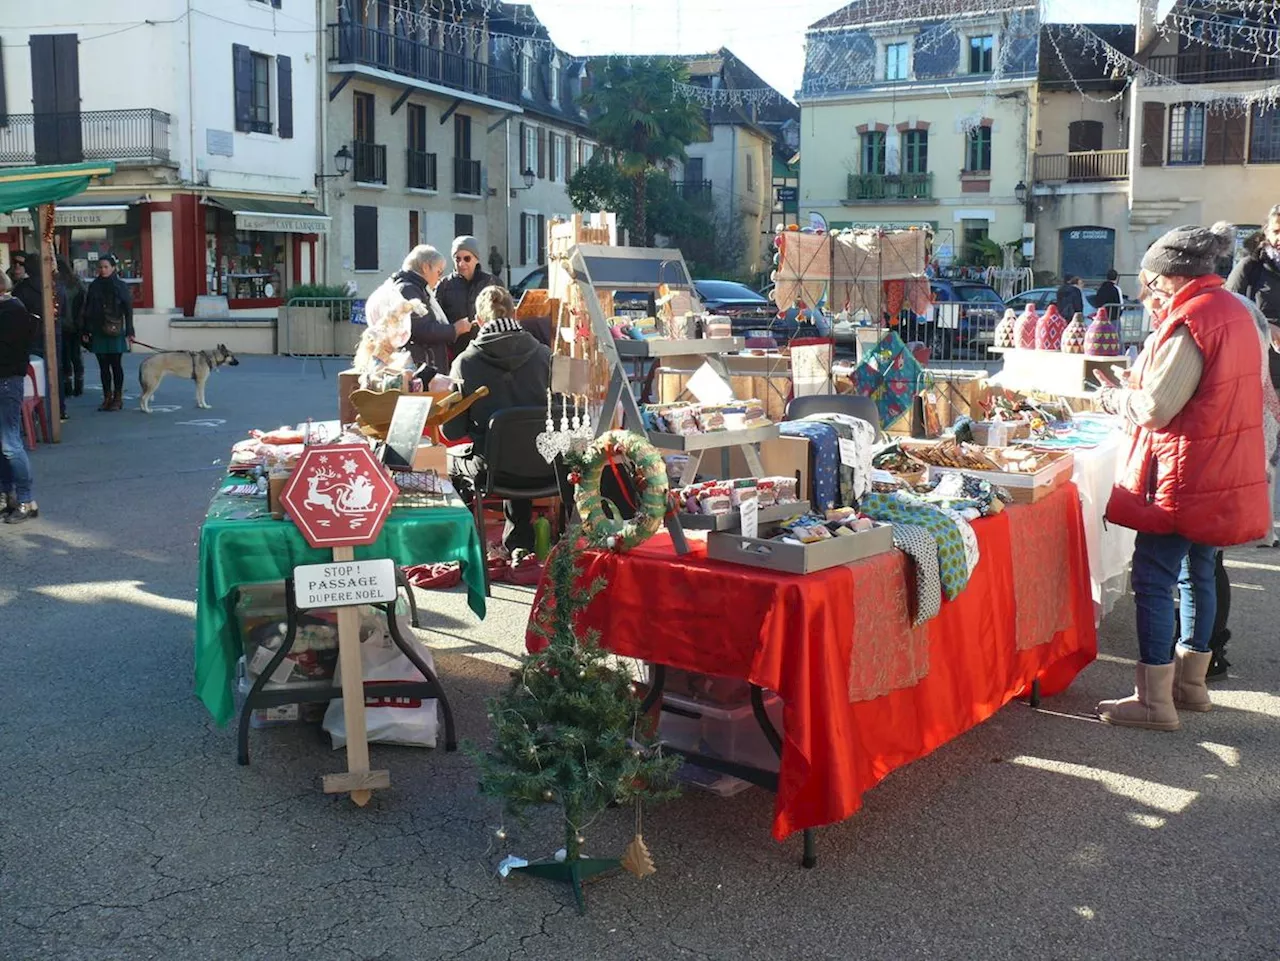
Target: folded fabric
(901,508)
(922,547)
(824,458)
(437,577)
(855,478)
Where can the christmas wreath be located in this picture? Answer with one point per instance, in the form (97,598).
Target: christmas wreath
(612,451)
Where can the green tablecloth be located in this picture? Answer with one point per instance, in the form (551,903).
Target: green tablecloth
(240,543)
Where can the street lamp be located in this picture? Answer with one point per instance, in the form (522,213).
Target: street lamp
(528,182)
(1020,192)
(341,162)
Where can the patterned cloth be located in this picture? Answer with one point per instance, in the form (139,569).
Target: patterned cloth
(824,458)
(922,547)
(855,479)
(891,376)
(953,554)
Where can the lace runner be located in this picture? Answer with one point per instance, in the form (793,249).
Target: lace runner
(888,653)
(1041,542)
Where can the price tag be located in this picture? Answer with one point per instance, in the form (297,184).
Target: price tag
(848,452)
(750,511)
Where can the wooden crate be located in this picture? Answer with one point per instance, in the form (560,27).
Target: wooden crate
(1024,487)
(799,558)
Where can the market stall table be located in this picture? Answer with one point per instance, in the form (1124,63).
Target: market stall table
(240,543)
(864,692)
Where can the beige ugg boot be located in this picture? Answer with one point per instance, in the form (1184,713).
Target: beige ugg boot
(1151,704)
(1189,690)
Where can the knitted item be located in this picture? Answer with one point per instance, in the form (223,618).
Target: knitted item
(1189,251)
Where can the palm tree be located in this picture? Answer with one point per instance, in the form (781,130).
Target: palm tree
(638,117)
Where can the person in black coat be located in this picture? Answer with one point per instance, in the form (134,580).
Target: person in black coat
(457,293)
(433,332)
(25,272)
(1257,277)
(108,328)
(1070,298)
(1108,295)
(516,368)
(18,334)
(70,308)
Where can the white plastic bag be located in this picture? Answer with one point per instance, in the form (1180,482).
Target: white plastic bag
(393,720)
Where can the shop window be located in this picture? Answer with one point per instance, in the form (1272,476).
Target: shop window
(86,245)
(977,158)
(244,265)
(973,231)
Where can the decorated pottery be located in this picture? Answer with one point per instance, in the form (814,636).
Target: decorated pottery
(1049,329)
(1103,337)
(1024,332)
(1073,335)
(1004,329)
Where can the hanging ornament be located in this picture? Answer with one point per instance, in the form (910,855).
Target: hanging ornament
(548,442)
(636,858)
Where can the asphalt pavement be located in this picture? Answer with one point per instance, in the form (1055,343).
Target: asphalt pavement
(127,830)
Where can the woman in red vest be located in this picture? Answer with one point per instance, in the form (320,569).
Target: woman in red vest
(1195,479)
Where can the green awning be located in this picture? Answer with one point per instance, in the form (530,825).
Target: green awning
(24,187)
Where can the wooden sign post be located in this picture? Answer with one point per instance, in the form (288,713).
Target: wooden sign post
(339,497)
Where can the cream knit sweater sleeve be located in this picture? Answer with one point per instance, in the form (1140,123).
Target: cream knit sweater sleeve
(1172,376)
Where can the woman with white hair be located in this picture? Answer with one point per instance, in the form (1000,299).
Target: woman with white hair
(432,334)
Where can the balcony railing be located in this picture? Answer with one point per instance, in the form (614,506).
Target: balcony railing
(890,188)
(694,191)
(370,166)
(125,136)
(353,43)
(1082,166)
(1213,66)
(466,176)
(422,170)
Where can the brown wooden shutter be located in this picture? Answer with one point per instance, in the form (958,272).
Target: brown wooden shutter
(1153,134)
(568,158)
(542,153)
(542,239)
(524,150)
(366,237)
(284,96)
(1215,137)
(524,239)
(1236,139)
(242,81)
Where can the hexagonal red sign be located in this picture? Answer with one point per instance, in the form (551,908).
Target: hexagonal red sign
(339,495)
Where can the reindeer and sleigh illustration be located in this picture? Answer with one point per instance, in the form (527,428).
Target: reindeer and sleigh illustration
(346,495)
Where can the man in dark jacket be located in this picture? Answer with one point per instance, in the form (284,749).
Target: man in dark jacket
(1070,298)
(516,368)
(18,334)
(26,288)
(1257,277)
(433,333)
(1108,295)
(457,292)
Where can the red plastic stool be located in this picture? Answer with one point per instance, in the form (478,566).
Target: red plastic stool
(33,409)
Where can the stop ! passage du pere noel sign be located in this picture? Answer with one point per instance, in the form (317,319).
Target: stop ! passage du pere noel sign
(344,583)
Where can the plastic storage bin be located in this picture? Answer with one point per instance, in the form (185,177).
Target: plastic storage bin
(263,717)
(728,733)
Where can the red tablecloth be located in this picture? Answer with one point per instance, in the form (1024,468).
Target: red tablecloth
(794,635)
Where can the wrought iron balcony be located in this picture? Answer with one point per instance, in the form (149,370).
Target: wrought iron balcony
(466,176)
(694,191)
(421,170)
(354,43)
(370,165)
(1213,66)
(890,188)
(1082,166)
(138,136)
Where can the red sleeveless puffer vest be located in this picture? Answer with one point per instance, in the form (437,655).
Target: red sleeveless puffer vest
(1204,475)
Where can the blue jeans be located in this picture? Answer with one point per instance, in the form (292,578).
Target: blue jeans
(15,469)
(1161,562)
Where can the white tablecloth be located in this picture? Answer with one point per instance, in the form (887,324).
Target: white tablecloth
(1110,547)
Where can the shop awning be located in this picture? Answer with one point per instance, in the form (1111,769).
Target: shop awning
(25,187)
(80,210)
(273,216)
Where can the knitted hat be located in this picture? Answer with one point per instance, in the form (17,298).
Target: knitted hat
(1190,251)
(468,243)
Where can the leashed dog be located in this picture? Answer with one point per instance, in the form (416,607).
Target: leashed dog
(196,364)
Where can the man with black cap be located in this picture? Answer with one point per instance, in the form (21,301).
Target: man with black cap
(457,292)
(1195,479)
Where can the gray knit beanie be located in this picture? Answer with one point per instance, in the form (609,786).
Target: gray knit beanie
(1190,251)
(468,243)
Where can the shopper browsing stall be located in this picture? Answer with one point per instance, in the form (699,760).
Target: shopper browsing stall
(433,333)
(108,326)
(18,334)
(1195,479)
(457,293)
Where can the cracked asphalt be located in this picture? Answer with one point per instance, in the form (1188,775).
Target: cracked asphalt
(127,830)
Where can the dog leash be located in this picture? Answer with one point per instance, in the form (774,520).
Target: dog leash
(148,346)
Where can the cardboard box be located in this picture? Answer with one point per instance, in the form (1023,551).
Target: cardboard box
(781,457)
(432,457)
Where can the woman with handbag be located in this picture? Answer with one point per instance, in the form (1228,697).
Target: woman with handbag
(108,329)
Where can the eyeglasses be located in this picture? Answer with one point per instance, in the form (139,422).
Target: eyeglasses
(1150,284)
(464,259)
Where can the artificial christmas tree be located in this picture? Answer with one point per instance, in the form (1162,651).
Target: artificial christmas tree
(568,731)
